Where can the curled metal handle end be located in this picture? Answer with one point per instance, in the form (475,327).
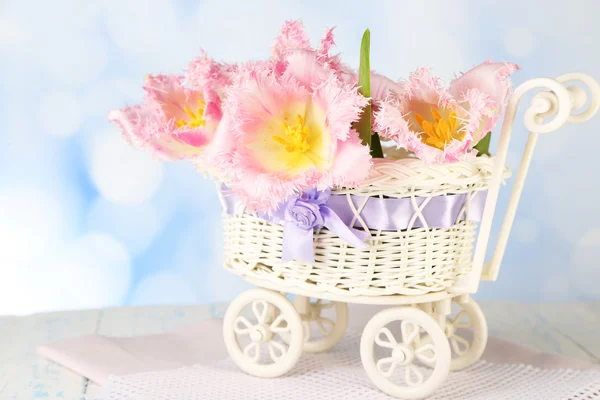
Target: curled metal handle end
(563,103)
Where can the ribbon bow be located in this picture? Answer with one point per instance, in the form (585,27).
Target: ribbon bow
(305,212)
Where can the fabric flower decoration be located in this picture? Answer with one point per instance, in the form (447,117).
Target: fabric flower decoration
(304,212)
(289,131)
(442,125)
(176,121)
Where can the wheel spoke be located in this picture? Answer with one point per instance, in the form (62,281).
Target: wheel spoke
(386,366)
(245,330)
(410,331)
(408,375)
(458,320)
(248,350)
(275,347)
(271,313)
(260,314)
(390,343)
(322,322)
(455,340)
(426,353)
(277,327)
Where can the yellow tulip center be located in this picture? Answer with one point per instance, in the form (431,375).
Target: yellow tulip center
(294,141)
(294,138)
(195,118)
(439,130)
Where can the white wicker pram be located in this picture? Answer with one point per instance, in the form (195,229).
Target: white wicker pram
(409,348)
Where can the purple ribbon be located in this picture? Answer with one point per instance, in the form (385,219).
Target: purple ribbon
(301,214)
(304,213)
(391,214)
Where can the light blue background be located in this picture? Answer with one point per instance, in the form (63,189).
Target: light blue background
(86,221)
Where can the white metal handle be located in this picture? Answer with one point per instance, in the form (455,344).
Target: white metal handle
(558,101)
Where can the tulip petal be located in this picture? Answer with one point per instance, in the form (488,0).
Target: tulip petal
(491,78)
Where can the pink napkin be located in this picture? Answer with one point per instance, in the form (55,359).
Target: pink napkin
(97,357)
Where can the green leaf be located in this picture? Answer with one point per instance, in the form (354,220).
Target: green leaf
(483,147)
(376,150)
(364,82)
(363,126)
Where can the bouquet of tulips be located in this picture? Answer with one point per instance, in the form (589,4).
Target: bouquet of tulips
(304,120)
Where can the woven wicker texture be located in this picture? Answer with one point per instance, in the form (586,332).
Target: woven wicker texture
(406,262)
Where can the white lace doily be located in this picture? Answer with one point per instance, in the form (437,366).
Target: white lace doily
(339,375)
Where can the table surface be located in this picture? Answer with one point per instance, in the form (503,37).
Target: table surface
(568,329)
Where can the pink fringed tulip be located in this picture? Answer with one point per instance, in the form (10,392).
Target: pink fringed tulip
(441,125)
(175,121)
(287,124)
(289,131)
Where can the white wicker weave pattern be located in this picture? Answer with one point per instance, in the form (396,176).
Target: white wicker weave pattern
(411,177)
(407,262)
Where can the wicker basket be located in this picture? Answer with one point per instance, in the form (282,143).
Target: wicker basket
(411,261)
